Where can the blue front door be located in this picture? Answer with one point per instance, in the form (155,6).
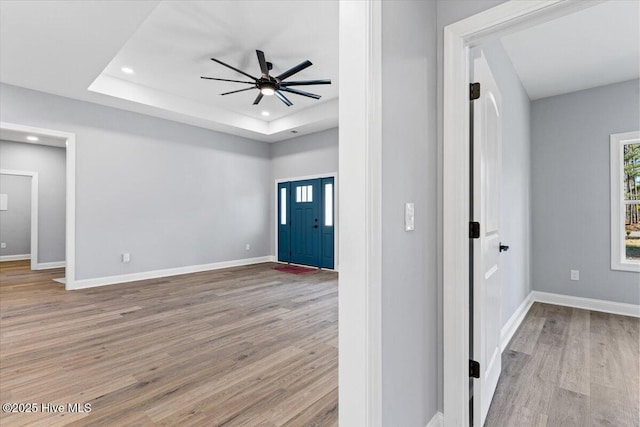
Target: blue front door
(306,222)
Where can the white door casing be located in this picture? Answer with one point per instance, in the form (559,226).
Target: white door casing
(487,274)
(459,37)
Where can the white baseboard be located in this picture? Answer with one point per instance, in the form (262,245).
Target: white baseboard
(48,265)
(437,420)
(588,303)
(14,257)
(133,277)
(514,321)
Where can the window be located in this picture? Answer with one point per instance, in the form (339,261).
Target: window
(283,206)
(625,201)
(304,194)
(328,205)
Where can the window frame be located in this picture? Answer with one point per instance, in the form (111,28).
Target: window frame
(618,251)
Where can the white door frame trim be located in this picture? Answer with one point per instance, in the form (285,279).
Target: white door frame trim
(458,38)
(360,282)
(34,211)
(336,221)
(70,226)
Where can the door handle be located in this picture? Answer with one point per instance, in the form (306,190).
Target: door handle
(503,248)
(315,226)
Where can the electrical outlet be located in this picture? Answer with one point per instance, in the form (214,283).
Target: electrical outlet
(247,247)
(126,257)
(575,274)
(3,245)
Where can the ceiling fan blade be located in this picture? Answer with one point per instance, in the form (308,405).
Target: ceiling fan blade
(240,90)
(263,63)
(283,98)
(291,71)
(233,68)
(300,92)
(306,83)
(258,99)
(226,80)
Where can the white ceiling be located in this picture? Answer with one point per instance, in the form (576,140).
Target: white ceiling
(77,49)
(596,46)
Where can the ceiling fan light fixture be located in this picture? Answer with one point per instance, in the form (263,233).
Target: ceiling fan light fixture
(267,89)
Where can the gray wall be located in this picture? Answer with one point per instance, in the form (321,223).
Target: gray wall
(170,194)
(312,154)
(15,223)
(515,212)
(571,191)
(50,163)
(448,12)
(307,155)
(409,294)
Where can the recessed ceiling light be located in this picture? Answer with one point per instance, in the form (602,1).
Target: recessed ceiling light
(127,70)
(32,138)
(265,113)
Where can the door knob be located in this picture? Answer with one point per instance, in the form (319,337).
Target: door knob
(503,248)
(315,226)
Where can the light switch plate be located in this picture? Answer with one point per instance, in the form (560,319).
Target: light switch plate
(4,202)
(409,216)
(575,274)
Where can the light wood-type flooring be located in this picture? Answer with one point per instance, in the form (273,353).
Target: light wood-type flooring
(570,367)
(244,346)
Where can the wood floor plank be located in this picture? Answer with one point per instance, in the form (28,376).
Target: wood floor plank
(226,347)
(573,375)
(513,366)
(525,342)
(612,406)
(584,370)
(568,408)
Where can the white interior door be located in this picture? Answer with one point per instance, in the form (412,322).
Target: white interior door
(487,274)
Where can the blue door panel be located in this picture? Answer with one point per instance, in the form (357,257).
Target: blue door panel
(305,204)
(284,222)
(328,224)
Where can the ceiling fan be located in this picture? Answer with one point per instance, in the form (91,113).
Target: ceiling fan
(269,85)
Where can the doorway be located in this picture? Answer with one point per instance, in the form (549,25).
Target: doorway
(61,139)
(306,229)
(459,38)
(20,223)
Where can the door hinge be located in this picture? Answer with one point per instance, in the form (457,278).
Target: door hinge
(474,369)
(474,91)
(474,230)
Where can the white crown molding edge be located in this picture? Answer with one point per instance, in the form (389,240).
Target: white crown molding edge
(172,107)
